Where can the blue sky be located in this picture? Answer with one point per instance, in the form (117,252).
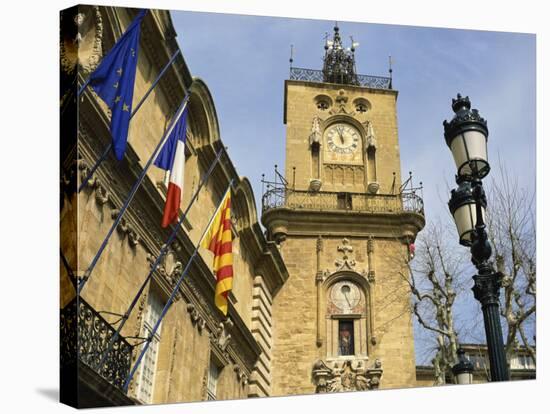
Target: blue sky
(244,61)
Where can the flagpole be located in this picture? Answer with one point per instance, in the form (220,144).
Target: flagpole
(86,83)
(154,266)
(140,103)
(131,195)
(172,296)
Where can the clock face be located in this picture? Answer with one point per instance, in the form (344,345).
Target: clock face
(342,138)
(345,295)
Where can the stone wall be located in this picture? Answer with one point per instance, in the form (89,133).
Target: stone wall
(389,332)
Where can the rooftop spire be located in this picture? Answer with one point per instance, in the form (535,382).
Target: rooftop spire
(339,62)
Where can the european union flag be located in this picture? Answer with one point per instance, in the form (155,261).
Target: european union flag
(113,81)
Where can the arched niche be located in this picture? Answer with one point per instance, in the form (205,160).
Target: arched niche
(348,314)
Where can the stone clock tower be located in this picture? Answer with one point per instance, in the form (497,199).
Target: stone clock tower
(344,227)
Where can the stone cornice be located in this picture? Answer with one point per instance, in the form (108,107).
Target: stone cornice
(305,222)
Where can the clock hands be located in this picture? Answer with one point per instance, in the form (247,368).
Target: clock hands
(340,131)
(347,299)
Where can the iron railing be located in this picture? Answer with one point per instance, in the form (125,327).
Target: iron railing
(281,197)
(312,75)
(85,335)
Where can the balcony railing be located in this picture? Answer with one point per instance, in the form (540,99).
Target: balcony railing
(85,334)
(312,75)
(281,197)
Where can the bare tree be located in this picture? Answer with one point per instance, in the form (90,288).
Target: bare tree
(435,278)
(512,231)
(441,272)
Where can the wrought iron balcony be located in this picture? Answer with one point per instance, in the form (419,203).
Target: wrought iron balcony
(369,81)
(84,337)
(281,197)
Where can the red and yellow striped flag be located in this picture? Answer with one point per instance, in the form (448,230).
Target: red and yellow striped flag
(218,240)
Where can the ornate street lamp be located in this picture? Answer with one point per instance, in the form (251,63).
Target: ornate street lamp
(463,209)
(466,135)
(463,371)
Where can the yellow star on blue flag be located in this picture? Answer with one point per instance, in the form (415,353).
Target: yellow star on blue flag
(114,79)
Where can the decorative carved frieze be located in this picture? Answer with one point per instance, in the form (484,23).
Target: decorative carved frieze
(349,375)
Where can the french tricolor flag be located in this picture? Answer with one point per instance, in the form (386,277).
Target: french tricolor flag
(172,158)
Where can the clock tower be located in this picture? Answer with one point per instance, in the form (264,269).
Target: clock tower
(344,224)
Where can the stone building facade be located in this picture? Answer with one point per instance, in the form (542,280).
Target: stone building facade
(197,354)
(319,302)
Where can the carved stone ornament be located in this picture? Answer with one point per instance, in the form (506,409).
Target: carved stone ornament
(168,267)
(81,39)
(222,337)
(241,375)
(315,136)
(346,262)
(349,375)
(371,138)
(196,317)
(126,228)
(84,169)
(341,103)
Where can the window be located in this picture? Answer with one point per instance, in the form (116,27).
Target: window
(522,362)
(147,368)
(344,201)
(345,337)
(322,105)
(361,107)
(478,361)
(212,383)
(323,102)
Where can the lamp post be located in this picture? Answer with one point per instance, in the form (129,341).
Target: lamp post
(463,371)
(466,135)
